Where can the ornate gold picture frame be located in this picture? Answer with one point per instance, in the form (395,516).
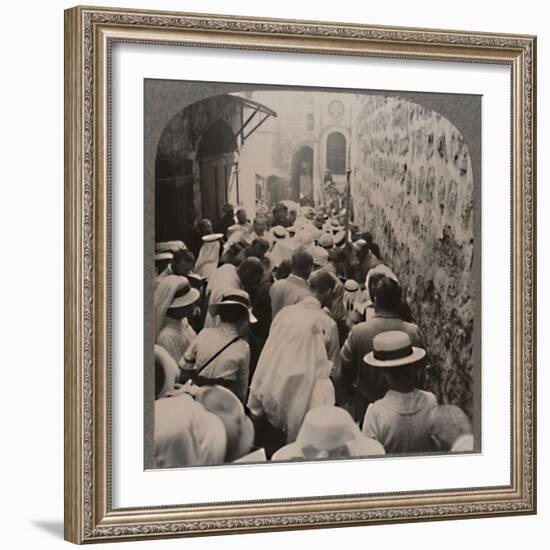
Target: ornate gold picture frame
(90,34)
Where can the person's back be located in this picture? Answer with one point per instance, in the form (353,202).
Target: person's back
(400,421)
(292,375)
(370,384)
(294,288)
(175,337)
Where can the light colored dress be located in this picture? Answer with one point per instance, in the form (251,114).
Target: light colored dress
(401,421)
(175,337)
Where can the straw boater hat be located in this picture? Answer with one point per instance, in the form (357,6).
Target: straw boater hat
(212,237)
(280,232)
(320,256)
(234,297)
(339,238)
(163,256)
(326,240)
(185,295)
(329,432)
(170,246)
(393,348)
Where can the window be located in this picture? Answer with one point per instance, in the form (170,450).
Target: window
(336,153)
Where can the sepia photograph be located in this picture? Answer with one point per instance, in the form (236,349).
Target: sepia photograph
(312,274)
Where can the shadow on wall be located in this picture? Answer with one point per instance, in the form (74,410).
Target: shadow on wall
(414,192)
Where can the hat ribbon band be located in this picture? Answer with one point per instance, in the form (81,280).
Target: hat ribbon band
(234,298)
(387,355)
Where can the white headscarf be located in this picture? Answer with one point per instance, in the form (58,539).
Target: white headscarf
(186,434)
(292,375)
(171,370)
(164,295)
(209,257)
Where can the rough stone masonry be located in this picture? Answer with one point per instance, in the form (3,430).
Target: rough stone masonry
(413,190)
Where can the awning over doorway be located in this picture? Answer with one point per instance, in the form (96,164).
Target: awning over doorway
(253,115)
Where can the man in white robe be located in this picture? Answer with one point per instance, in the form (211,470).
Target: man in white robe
(293,372)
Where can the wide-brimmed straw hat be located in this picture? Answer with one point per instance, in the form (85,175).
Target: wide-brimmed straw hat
(185,295)
(393,348)
(329,432)
(212,237)
(159,256)
(234,297)
(170,246)
(226,406)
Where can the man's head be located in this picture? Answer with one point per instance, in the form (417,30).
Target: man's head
(322,285)
(282,271)
(448,423)
(280,214)
(183,262)
(319,221)
(250,273)
(241,216)
(387,295)
(302,263)
(259,226)
(205,227)
(228,210)
(257,249)
(236,316)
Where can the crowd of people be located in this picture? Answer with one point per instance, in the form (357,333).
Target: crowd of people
(289,338)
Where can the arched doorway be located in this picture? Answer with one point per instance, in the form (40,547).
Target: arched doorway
(301,177)
(215,155)
(336,153)
(278,189)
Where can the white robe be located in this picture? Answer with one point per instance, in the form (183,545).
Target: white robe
(208,259)
(292,375)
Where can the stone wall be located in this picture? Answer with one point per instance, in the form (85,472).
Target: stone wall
(413,190)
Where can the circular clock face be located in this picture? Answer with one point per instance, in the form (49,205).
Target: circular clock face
(336,108)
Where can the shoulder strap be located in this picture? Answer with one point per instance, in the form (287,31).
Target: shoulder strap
(230,343)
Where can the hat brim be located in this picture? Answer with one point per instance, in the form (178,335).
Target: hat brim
(360,447)
(416,355)
(215,307)
(186,300)
(212,237)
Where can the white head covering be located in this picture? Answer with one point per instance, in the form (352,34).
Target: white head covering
(164,294)
(282,250)
(186,434)
(292,375)
(351,293)
(208,259)
(170,369)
